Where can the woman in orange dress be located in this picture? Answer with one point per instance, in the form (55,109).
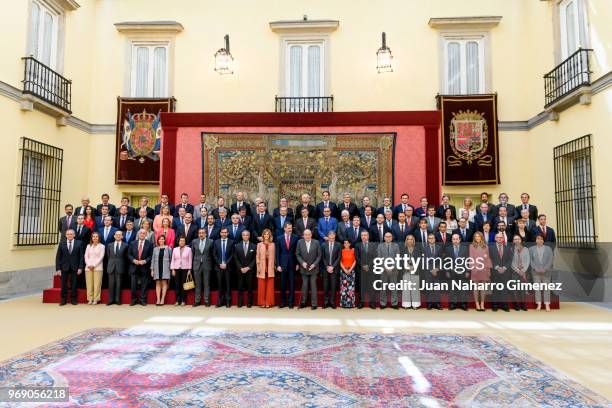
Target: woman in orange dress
(265,270)
(347,276)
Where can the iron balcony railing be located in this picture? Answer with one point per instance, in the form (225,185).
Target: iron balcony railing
(46,84)
(304,103)
(568,76)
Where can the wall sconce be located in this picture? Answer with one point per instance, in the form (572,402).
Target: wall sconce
(384,57)
(224,62)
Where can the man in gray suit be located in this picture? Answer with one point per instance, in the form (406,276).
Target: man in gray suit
(388,249)
(331,267)
(308,254)
(201,248)
(66,222)
(142,216)
(365,252)
(432,221)
(116,254)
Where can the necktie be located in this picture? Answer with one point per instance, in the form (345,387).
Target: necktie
(331,246)
(79,230)
(261,217)
(246,247)
(463,234)
(380,232)
(186,229)
(70,246)
(116,247)
(402,228)
(223,250)
(234,233)
(140,245)
(356,232)
(209,230)
(282,221)
(122,221)
(287,241)
(68,221)
(524,206)
(128,235)
(327,221)
(105,233)
(423,238)
(456,252)
(500,251)
(443,238)
(202,243)
(544,231)
(403,207)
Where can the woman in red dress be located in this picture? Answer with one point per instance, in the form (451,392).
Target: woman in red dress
(89,220)
(265,270)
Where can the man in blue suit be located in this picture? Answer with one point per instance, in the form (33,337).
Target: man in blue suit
(184,204)
(107,231)
(326,223)
(286,263)
(281,219)
(402,206)
(235,229)
(547,232)
(99,220)
(129,235)
(482,216)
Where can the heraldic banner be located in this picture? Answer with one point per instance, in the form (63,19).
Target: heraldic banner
(470,148)
(138,139)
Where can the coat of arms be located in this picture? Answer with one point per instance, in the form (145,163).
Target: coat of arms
(141,136)
(469,139)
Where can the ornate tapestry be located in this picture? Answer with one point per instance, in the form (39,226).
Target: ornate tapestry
(272,165)
(470,149)
(138,139)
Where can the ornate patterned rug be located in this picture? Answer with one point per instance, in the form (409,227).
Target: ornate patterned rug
(150,367)
(274,165)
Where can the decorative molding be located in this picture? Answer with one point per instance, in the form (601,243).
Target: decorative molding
(141,27)
(476,22)
(68,5)
(304,26)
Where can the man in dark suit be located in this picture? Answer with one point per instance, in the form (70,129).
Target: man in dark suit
(202,218)
(401,229)
(222,220)
(326,202)
(223,254)
(422,210)
(387,206)
(189,230)
(105,202)
(81,231)
(344,225)
(246,220)
(411,219)
(466,234)
(235,208)
(262,220)
(144,204)
(525,216)
(286,244)
(197,209)
(368,218)
(116,255)
(139,256)
(402,206)
(347,205)
(235,228)
(201,248)
(220,205)
(131,212)
(503,202)
(331,252)
(547,232)
(378,230)
(283,203)
(281,219)
(184,203)
(443,237)
(484,199)
(122,218)
(99,220)
(107,231)
(353,234)
(502,216)
(305,203)
(444,205)
(308,255)
(129,234)
(142,217)
(212,229)
(501,260)
(326,224)
(389,219)
(244,255)
(67,221)
(164,202)
(421,233)
(458,252)
(365,202)
(365,252)
(524,205)
(432,269)
(69,263)
(305,223)
(482,215)
(83,206)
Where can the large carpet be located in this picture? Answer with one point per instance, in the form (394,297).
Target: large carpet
(158,367)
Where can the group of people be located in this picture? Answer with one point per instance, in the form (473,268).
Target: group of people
(229,247)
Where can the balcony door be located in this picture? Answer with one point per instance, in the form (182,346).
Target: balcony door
(43,37)
(304,73)
(572,24)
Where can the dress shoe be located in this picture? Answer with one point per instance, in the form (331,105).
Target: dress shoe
(437,306)
(360,306)
(110,303)
(325,306)
(143,303)
(464,306)
(429,306)
(240,305)
(133,303)
(494,308)
(313,308)
(228,305)
(196,304)
(207,304)
(249,305)
(452,306)
(281,306)
(73,302)
(396,307)
(333,305)
(218,305)
(506,309)
(516,307)
(524,308)
(383,307)
(63,303)
(290,306)
(372,306)
(302,306)
(118,303)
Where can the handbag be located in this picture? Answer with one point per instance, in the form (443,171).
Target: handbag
(189,283)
